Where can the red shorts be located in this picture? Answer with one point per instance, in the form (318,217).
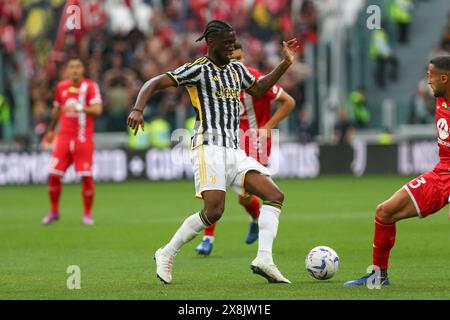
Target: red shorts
(71,150)
(429,192)
(257,149)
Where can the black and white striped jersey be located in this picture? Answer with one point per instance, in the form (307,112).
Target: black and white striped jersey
(214,93)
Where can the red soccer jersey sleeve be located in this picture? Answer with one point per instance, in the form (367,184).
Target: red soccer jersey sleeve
(93,94)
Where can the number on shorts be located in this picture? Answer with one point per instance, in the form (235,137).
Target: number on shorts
(53,162)
(419,182)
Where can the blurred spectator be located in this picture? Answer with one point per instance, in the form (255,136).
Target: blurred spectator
(305,131)
(119,85)
(343,129)
(140,140)
(383,55)
(5,120)
(159,131)
(357,104)
(385,137)
(422,104)
(401,14)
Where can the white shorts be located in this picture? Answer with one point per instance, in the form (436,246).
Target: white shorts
(217,168)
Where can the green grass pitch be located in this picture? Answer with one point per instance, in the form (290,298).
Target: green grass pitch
(134,219)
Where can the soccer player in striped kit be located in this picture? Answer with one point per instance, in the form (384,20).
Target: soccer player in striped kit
(255,126)
(77,102)
(214,84)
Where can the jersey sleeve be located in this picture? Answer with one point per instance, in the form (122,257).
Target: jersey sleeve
(57,99)
(93,94)
(274,92)
(248,79)
(186,75)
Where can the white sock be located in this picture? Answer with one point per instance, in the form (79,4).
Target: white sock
(211,238)
(268,226)
(190,228)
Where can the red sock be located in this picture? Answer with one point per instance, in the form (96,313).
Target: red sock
(54,191)
(383,242)
(253,207)
(88,194)
(209,231)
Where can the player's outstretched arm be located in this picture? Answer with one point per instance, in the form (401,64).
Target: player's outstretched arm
(94,109)
(265,83)
(135,118)
(287,105)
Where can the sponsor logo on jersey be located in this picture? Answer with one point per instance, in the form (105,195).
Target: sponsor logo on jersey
(442,127)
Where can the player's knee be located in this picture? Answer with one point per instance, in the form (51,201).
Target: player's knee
(384,214)
(214,213)
(276,196)
(243,201)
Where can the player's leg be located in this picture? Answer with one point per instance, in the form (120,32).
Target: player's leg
(415,199)
(252,206)
(264,187)
(83,159)
(210,185)
(59,162)
(214,202)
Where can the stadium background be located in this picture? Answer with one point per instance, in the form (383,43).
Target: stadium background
(126,42)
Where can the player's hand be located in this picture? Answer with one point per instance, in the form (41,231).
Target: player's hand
(135,119)
(73,107)
(49,136)
(264,134)
(289,50)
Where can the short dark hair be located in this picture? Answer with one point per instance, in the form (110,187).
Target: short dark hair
(441,62)
(214,28)
(75,58)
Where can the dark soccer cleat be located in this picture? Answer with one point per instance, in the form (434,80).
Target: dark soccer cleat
(205,247)
(252,234)
(370,279)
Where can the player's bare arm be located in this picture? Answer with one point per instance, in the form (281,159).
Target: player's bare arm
(93,109)
(260,87)
(287,105)
(53,122)
(135,118)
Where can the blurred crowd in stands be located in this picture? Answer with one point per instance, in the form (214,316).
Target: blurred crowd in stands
(422,105)
(123,43)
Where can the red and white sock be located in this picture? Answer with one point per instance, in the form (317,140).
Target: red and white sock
(88,194)
(54,192)
(209,232)
(384,239)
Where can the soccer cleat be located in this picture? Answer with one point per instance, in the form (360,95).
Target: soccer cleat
(268,271)
(205,247)
(252,234)
(50,217)
(363,281)
(88,220)
(163,267)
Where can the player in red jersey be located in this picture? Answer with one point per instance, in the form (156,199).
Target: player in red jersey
(77,102)
(424,195)
(256,122)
